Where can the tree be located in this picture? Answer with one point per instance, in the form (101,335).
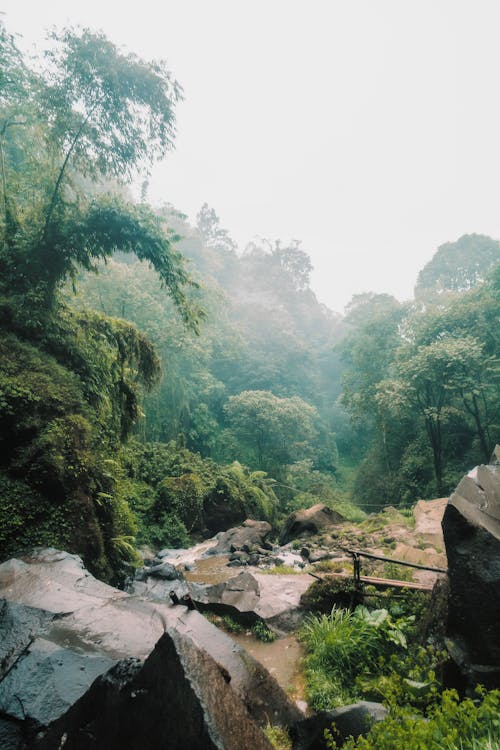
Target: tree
(272,431)
(429,382)
(102,114)
(212,234)
(70,136)
(288,261)
(458,266)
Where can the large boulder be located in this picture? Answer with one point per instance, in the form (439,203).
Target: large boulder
(471,528)
(72,628)
(250,534)
(18,628)
(308,522)
(255,596)
(180,698)
(353,720)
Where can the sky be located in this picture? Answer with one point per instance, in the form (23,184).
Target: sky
(367,129)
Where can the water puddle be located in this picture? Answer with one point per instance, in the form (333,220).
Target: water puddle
(211,570)
(282,658)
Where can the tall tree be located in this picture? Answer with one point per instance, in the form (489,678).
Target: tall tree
(458,266)
(102,114)
(275,431)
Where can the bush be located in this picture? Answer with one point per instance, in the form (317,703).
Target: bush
(343,647)
(263,633)
(450,725)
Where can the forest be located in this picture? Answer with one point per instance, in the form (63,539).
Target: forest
(157,381)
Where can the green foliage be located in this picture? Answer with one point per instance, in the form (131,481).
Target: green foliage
(164,482)
(167,530)
(450,724)
(276,431)
(458,266)
(427,399)
(263,633)
(278,737)
(328,593)
(344,647)
(182,496)
(225,622)
(70,382)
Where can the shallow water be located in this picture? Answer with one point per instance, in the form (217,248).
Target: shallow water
(211,570)
(282,658)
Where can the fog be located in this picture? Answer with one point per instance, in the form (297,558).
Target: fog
(367,130)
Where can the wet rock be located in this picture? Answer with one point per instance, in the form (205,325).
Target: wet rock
(46,680)
(471,528)
(179,683)
(157,581)
(106,625)
(263,551)
(18,627)
(165,571)
(309,521)
(11,734)
(251,533)
(252,596)
(159,589)
(53,581)
(354,720)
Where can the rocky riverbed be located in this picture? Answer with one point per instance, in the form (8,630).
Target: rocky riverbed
(85,665)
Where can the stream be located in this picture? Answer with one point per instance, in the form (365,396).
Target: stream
(282,657)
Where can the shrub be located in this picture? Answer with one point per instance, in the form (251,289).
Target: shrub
(450,725)
(263,633)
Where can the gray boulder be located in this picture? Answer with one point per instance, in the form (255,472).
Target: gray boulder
(180,698)
(309,521)
(47,679)
(352,720)
(250,534)
(18,627)
(471,528)
(59,678)
(254,596)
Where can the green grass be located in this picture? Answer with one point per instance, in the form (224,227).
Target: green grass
(281,570)
(339,648)
(451,724)
(225,622)
(278,737)
(263,633)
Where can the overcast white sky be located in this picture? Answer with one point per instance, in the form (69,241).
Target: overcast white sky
(369,129)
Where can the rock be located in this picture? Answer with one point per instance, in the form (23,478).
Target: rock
(309,521)
(105,626)
(428,515)
(53,581)
(166,571)
(354,720)
(319,554)
(157,582)
(180,698)
(471,528)
(12,736)
(251,533)
(252,596)
(18,626)
(47,679)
